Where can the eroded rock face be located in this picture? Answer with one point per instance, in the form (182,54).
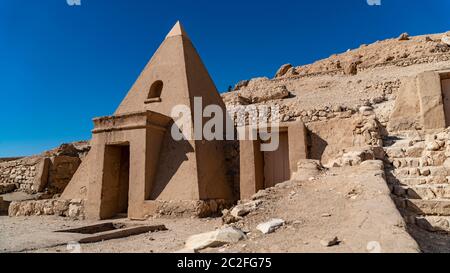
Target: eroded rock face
(446,38)
(241,85)
(283,70)
(277,93)
(351,68)
(403,37)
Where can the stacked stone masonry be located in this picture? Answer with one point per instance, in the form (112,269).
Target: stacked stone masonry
(418,175)
(20,173)
(50,172)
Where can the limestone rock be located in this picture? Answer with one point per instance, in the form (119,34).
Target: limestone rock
(241,85)
(307,168)
(61,207)
(13,209)
(403,37)
(446,38)
(366,110)
(260,195)
(214,239)
(74,211)
(353,158)
(283,70)
(279,92)
(270,226)
(227,218)
(376,165)
(351,69)
(433,146)
(244,209)
(291,72)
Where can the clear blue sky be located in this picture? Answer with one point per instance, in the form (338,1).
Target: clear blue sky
(62,65)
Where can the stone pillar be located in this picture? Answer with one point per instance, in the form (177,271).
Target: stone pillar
(298,147)
(430,94)
(93,206)
(41,178)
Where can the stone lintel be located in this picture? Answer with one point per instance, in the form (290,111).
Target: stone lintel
(131,121)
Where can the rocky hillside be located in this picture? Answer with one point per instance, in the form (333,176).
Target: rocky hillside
(367,76)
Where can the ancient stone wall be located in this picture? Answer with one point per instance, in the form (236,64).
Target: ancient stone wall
(333,139)
(49,172)
(20,173)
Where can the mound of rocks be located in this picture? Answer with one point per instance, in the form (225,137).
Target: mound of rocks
(73,209)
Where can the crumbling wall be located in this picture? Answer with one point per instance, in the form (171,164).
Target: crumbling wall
(49,172)
(331,139)
(73,209)
(20,173)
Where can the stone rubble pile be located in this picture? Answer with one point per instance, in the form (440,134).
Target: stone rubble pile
(73,209)
(257,110)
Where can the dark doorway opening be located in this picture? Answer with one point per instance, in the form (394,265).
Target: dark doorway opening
(116,181)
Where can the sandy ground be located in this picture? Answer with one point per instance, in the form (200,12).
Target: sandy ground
(358,208)
(36,234)
(354,207)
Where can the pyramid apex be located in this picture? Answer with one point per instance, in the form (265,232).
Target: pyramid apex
(177,30)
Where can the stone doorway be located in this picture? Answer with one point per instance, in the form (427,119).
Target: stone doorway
(116,181)
(276,163)
(445,83)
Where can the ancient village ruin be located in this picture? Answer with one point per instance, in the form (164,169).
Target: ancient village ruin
(383,114)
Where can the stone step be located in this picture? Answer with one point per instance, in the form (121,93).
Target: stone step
(428,159)
(434,223)
(408,162)
(405,150)
(415,181)
(424,192)
(421,172)
(428,207)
